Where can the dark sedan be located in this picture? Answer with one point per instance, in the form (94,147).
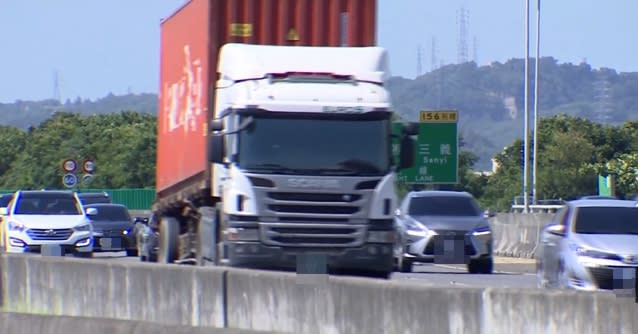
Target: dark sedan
(112,228)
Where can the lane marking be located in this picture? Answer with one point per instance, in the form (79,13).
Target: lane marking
(496,271)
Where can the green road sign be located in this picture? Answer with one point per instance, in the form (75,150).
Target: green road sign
(436,159)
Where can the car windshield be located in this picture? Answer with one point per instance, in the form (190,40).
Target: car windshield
(5,199)
(47,204)
(606,220)
(332,145)
(443,206)
(93,199)
(111,214)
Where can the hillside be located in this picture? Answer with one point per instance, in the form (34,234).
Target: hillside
(490,100)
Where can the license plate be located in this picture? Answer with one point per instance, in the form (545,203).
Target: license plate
(110,243)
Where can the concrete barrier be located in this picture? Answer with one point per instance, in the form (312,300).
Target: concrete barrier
(22,323)
(165,294)
(173,295)
(517,235)
(268,301)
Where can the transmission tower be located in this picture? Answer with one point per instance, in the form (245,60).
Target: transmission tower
(604,106)
(434,51)
(419,65)
(463,22)
(475,50)
(56,87)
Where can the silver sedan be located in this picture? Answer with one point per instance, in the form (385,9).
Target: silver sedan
(443,227)
(590,244)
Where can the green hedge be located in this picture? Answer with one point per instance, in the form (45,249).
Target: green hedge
(134,199)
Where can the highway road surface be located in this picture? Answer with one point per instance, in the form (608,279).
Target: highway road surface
(508,272)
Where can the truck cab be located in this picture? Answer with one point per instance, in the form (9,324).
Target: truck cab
(301,155)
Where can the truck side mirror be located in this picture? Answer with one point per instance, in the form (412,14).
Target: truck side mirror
(406,156)
(411,129)
(216,125)
(216,148)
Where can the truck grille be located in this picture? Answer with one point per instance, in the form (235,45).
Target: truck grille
(313,203)
(312,234)
(49,234)
(314,197)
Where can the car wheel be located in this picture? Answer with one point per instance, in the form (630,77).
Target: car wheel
(541,280)
(85,255)
(131,252)
(405,265)
(562,279)
(481,266)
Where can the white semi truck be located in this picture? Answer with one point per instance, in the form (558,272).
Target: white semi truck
(300,160)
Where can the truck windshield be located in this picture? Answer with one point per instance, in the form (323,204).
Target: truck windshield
(331,145)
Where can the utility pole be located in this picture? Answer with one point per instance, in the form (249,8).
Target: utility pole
(526,122)
(536,99)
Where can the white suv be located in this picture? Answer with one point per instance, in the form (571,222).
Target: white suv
(35,218)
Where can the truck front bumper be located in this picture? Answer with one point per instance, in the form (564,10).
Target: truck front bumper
(369,257)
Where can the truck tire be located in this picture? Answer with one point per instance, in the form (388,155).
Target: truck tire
(169,233)
(206,244)
(220,253)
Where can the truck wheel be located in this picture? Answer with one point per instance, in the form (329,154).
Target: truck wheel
(221,253)
(169,232)
(205,236)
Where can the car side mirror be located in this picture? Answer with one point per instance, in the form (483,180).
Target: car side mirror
(4,211)
(558,230)
(488,214)
(91,211)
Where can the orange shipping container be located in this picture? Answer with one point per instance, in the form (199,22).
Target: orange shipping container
(190,41)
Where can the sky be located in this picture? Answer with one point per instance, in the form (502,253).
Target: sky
(112,46)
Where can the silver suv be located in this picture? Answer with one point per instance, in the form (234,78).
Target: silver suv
(443,227)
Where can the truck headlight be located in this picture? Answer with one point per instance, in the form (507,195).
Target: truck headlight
(382,236)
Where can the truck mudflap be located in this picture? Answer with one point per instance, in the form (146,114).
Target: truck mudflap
(370,257)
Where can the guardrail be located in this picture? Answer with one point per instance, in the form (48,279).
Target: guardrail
(519,208)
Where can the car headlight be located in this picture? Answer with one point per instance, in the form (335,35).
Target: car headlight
(586,252)
(417,229)
(483,230)
(82,227)
(16,226)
